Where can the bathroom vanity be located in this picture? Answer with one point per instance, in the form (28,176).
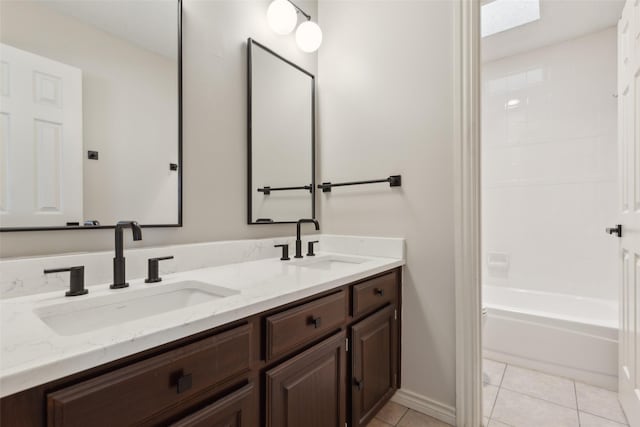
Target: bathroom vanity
(312,342)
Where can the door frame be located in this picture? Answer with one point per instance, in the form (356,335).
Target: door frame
(467,219)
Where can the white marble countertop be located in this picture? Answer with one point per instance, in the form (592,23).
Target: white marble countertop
(31,353)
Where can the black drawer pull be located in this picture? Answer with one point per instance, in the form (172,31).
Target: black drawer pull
(379,292)
(184,383)
(315,321)
(358,383)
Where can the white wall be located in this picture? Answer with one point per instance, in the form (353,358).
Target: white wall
(129,111)
(214,83)
(385,96)
(549,167)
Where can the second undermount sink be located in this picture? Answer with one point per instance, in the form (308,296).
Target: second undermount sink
(117,307)
(329,262)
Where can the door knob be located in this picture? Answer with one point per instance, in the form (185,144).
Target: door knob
(615,230)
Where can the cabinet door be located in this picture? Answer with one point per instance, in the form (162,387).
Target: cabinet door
(374,364)
(238,409)
(309,390)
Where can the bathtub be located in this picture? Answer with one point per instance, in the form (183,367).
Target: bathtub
(564,335)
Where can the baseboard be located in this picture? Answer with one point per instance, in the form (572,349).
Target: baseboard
(417,402)
(608,382)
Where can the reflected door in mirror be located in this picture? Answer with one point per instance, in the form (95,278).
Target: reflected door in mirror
(40,182)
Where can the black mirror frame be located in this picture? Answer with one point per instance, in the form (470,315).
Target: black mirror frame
(180,162)
(250,43)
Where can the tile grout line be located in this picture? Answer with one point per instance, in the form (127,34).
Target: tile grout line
(402,417)
(606,418)
(532,396)
(575,393)
(504,373)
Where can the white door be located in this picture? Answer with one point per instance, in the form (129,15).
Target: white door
(629,147)
(40,140)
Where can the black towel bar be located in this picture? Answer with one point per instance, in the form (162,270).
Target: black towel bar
(393,180)
(267,190)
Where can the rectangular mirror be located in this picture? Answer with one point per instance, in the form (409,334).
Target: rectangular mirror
(90,114)
(281,133)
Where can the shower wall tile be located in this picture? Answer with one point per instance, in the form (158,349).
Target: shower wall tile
(549,167)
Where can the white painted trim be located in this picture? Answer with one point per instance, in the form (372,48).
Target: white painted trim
(467,213)
(420,403)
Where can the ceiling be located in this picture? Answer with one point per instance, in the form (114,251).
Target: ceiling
(560,20)
(150,24)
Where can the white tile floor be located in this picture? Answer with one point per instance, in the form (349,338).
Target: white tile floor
(519,397)
(395,415)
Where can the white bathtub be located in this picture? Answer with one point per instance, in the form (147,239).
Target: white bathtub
(565,335)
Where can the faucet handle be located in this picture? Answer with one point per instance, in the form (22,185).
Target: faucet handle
(310,248)
(76,279)
(153,276)
(285,251)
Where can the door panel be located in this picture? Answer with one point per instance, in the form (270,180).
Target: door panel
(47,152)
(309,389)
(374,364)
(629,189)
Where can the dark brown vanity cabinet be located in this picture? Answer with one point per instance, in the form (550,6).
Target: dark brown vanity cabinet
(374,364)
(238,409)
(309,389)
(152,390)
(328,360)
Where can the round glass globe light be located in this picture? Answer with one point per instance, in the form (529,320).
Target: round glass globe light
(282,17)
(309,36)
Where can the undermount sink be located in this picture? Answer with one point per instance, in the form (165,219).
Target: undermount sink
(90,314)
(329,262)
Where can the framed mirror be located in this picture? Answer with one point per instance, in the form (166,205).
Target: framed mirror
(90,114)
(281,136)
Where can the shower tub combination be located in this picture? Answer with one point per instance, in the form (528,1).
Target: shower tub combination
(565,335)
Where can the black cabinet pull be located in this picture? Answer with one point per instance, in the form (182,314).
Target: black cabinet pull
(379,292)
(315,321)
(358,383)
(184,383)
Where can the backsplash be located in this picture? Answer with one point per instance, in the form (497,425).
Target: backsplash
(24,276)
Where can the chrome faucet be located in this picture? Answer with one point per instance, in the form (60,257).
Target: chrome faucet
(298,241)
(119,260)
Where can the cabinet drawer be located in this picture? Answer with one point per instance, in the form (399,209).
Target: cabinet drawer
(131,394)
(297,326)
(374,293)
(238,409)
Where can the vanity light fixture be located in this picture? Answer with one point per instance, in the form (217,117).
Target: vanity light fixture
(282,18)
(309,36)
